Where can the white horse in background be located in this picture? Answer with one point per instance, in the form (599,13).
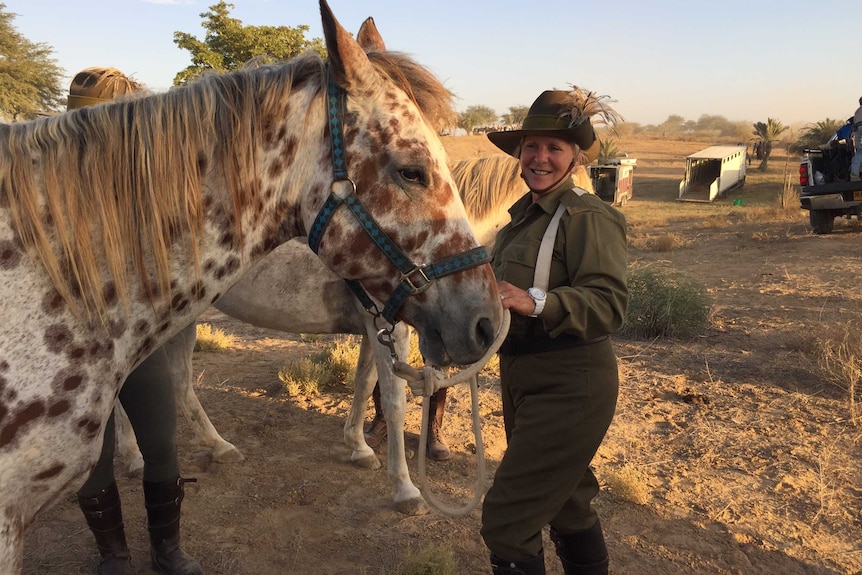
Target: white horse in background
(291,291)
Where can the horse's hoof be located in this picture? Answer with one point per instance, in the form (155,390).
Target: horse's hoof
(412,507)
(228,455)
(370,462)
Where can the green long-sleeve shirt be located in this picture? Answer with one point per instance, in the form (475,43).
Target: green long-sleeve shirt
(587,293)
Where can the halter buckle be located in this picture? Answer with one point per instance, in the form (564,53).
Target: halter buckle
(424,281)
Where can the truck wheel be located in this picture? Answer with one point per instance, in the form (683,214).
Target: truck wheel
(821,221)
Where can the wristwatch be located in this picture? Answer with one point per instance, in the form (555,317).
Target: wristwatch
(539,296)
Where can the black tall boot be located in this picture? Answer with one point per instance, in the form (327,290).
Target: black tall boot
(163,500)
(582,552)
(437,448)
(534,566)
(376,432)
(105,518)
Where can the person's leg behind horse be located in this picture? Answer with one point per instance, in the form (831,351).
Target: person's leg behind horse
(149,400)
(99,500)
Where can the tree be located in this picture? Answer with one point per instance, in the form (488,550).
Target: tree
(767,134)
(516,116)
(228,44)
(30,81)
(476,117)
(814,135)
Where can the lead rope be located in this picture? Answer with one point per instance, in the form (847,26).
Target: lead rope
(428,381)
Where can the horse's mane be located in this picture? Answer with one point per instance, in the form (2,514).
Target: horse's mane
(434,100)
(120,182)
(488,181)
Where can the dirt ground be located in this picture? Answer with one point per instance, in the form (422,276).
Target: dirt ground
(749,463)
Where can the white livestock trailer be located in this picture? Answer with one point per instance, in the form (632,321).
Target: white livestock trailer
(712,172)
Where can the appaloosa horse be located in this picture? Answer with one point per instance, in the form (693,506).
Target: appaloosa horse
(121,223)
(279,293)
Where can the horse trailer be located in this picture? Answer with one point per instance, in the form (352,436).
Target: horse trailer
(712,172)
(612,181)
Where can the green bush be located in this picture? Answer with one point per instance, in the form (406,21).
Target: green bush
(663,303)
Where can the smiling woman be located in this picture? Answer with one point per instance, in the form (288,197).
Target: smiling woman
(561,266)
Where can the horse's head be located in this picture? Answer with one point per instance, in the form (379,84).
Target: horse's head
(404,232)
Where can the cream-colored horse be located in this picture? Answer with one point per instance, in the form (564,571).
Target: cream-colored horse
(291,291)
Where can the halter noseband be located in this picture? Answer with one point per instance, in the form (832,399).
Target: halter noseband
(415,278)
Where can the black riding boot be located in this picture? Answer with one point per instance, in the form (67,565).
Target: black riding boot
(163,500)
(437,448)
(377,430)
(583,552)
(105,518)
(534,566)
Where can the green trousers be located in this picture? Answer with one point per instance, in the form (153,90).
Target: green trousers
(557,407)
(148,398)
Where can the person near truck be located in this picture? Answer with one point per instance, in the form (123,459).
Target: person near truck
(857,141)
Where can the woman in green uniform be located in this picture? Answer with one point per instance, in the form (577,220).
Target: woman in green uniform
(558,369)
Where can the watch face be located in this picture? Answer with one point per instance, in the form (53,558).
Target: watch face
(536,293)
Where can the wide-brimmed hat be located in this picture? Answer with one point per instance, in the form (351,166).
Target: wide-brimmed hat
(93,86)
(565,114)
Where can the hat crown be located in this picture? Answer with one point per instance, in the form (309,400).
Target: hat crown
(552,110)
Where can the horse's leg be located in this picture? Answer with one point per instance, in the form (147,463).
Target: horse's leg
(180,350)
(127,443)
(393,396)
(363,383)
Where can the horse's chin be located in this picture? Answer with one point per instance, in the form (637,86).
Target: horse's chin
(433,349)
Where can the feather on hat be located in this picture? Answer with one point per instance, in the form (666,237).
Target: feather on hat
(568,114)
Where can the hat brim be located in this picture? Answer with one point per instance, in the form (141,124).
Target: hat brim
(510,141)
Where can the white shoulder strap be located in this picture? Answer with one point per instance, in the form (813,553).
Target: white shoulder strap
(546,249)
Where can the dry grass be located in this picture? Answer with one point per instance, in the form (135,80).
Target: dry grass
(839,361)
(212,339)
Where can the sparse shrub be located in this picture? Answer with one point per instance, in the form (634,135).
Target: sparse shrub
(663,303)
(434,560)
(667,242)
(303,377)
(628,483)
(211,338)
(340,358)
(839,362)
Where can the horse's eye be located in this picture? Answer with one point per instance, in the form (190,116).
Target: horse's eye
(414,175)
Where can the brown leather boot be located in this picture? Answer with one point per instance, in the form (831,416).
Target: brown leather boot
(376,432)
(437,448)
(163,500)
(104,516)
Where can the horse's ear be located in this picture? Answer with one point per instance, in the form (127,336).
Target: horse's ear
(369,37)
(348,63)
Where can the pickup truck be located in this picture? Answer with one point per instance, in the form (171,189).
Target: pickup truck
(827,193)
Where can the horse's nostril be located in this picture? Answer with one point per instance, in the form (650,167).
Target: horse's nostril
(485,334)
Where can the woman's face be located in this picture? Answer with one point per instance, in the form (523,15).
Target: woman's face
(545,160)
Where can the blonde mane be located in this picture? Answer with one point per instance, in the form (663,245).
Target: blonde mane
(121,182)
(486,182)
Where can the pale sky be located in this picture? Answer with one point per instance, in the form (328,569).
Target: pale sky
(746,60)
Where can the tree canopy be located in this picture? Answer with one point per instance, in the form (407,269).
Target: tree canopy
(814,135)
(767,133)
(228,44)
(30,80)
(477,117)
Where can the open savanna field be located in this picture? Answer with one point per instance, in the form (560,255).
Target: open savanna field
(731,452)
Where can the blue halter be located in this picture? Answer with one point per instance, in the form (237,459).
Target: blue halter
(415,278)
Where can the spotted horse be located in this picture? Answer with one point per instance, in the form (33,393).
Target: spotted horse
(121,223)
